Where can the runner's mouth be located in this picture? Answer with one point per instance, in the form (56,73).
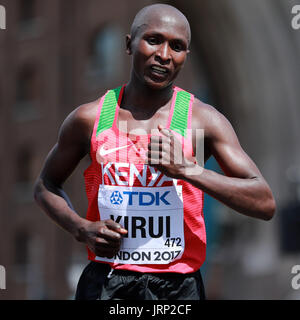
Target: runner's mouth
(159,70)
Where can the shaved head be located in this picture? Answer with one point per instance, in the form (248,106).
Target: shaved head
(160,11)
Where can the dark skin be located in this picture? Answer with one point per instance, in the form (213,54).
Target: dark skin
(162,40)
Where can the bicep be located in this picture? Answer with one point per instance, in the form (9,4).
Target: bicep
(70,148)
(60,163)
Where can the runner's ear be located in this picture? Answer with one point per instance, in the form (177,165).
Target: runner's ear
(128,44)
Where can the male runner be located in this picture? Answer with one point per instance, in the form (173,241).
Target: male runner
(144,228)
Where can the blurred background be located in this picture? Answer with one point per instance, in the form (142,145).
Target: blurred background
(58,54)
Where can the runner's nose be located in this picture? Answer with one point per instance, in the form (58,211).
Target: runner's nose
(163,54)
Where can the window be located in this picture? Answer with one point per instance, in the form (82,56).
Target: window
(27,10)
(23,184)
(21,253)
(21,248)
(27,95)
(28,262)
(104,56)
(66,14)
(29,23)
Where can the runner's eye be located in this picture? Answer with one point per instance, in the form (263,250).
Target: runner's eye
(178,46)
(152,40)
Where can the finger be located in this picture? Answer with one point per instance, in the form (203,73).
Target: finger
(160,154)
(154,157)
(165,131)
(172,148)
(160,127)
(105,244)
(106,253)
(169,135)
(154,146)
(114,226)
(166,157)
(103,252)
(166,148)
(155,139)
(109,235)
(157,143)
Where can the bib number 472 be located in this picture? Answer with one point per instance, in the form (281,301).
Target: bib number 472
(173,242)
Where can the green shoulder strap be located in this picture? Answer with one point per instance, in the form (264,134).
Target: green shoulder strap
(108,110)
(179,120)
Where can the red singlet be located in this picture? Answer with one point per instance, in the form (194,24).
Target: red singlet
(163,216)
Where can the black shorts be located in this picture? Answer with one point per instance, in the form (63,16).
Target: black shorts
(99,282)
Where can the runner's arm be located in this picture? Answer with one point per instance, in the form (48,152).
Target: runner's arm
(243,188)
(61,161)
(103,237)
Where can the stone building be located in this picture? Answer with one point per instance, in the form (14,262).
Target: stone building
(58,54)
(54,56)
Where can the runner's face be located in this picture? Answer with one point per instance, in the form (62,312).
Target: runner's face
(159,51)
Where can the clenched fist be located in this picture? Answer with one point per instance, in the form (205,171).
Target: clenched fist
(166,154)
(102,237)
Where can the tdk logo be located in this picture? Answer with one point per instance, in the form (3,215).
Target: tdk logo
(116,198)
(140,198)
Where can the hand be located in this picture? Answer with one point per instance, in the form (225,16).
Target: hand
(103,237)
(166,154)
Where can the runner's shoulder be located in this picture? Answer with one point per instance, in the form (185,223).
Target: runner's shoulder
(207,117)
(86,113)
(79,124)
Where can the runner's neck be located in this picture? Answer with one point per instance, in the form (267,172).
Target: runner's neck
(140,98)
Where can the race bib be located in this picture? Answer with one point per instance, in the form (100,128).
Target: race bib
(153,217)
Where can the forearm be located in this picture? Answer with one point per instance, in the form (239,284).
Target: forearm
(58,207)
(251,197)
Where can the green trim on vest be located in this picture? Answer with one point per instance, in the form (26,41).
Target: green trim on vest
(108,110)
(181,111)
